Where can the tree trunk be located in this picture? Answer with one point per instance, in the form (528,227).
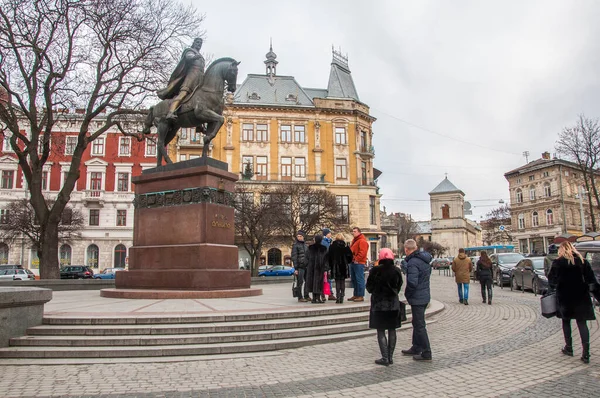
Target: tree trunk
(49,267)
(596,196)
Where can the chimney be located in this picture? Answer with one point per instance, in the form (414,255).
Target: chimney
(546,155)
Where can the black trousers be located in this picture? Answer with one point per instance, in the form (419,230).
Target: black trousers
(584,333)
(340,287)
(486,285)
(420,339)
(301,283)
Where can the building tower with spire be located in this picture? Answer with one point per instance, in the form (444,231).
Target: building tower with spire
(271,61)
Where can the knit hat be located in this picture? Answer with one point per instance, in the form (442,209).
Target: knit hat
(301,232)
(326,231)
(553,249)
(386,254)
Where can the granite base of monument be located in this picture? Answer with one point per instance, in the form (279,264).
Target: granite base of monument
(183,235)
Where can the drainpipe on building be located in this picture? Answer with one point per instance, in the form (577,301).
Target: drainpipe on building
(562,200)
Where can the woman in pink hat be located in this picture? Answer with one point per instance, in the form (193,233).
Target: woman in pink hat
(384,284)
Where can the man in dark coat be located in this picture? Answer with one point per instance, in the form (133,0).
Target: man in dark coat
(317,266)
(418,295)
(340,256)
(300,262)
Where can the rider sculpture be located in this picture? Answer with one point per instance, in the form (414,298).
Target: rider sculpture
(185,79)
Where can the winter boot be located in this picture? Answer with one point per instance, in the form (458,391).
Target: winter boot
(585,356)
(391,348)
(383,347)
(567,350)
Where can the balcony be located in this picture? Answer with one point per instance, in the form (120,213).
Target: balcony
(93,196)
(366,150)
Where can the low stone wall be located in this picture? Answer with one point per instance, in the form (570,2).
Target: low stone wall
(20,308)
(62,284)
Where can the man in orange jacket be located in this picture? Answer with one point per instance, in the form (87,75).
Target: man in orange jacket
(360,248)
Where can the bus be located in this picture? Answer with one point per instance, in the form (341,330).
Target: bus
(475,250)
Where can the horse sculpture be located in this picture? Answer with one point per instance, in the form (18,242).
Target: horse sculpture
(205,105)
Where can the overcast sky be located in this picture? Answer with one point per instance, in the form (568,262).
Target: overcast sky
(458,87)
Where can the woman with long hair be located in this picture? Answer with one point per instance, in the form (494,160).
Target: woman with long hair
(485,276)
(384,283)
(571,276)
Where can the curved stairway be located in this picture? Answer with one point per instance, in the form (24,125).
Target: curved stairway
(193,335)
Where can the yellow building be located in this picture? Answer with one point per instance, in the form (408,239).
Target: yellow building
(290,134)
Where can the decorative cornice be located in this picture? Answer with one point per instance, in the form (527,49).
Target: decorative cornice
(183,197)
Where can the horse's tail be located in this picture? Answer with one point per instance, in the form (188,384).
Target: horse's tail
(149,121)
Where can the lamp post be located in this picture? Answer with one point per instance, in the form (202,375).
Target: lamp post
(581,212)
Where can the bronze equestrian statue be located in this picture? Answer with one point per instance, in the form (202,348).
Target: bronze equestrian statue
(191,99)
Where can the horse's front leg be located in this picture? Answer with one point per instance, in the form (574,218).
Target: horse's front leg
(215,121)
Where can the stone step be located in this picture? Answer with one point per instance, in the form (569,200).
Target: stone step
(180,339)
(196,328)
(308,310)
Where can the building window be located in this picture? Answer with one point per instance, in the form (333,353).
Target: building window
(70,144)
(341,169)
(195,136)
(363,173)
(372,210)
(65,255)
(285,133)
(94,217)
(547,190)
(521,221)
(6,143)
(7,179)
(535,221)
(546,174)
(299,134)
(124,145)
(92,256)
(3,253)
(300,167)
(4,216)
(340,136)
(247,132)
(98,146)
(121,218)
(549,217)
(532,193)
(566,173)
(446,211)
(247,164)
(286,167)
(182,158)
(184,133)
(120,256)
(363,141)
(574,175)
(343,208)
(96,181)
(519,196)
(44,180)
(261,133)
(150,147)
(531,178)
(519,180)
(261,168)
(123,182)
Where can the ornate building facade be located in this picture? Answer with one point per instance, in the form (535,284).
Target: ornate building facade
(288,134)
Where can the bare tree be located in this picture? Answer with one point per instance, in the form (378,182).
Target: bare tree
(581,144)
(496,226)
(19,220)
(104,57)
(434,248)
(407,228)
(301,207)
(255,222)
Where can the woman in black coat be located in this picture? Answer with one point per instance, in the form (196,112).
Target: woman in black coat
(340,256)
(571,276)
(317,266)
(485,276)
(384,283)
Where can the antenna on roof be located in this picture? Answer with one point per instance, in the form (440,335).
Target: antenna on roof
(526,155)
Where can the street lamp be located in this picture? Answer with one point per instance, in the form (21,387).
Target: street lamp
(580,197)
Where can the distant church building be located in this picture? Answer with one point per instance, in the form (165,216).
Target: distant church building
(449,227)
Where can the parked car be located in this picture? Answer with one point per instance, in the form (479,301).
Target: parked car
(474,260)
(264,268)
(278,270)
(108,273)
(502,266)
(529,274)
(591,252)
(76,272)
(440,263)
(10,266)
(17,274)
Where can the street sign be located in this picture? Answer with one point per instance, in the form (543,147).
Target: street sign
(501,228)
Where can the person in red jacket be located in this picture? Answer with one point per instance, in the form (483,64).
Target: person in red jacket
(360,248)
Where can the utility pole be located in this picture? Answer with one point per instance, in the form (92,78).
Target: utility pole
(580,195)
(526,155)
(562,200)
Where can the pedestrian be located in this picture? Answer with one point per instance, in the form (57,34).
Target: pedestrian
(339,257)
(462,267)
(359,247)
(549,259)
(384,283)
(572,277)
(485,276)
(418,295)
(317,267)
(327,240)
(300,262)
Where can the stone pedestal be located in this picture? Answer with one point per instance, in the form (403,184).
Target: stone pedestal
(183,235)
(20,309)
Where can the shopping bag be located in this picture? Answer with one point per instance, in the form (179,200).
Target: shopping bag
(549,305)
(402,313)
(326,286)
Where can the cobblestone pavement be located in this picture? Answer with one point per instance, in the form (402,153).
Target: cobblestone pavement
(503,350)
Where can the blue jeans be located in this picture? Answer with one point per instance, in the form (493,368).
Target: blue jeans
(463,291)
(357,273)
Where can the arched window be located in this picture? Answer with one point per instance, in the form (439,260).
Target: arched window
(120,256)
(3,253)
(65,255)
(445,211)
(92,256)
(549,217)
(532,192)
(547,190)
(535,221)
(521,220)
(274,257)
(519,196)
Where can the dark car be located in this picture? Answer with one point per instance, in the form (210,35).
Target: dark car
(502,266)
(440,263)
(76,272)
(529,274)
(591,252)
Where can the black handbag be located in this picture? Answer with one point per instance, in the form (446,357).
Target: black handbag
(549,305)
(295,288)
(402,313)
